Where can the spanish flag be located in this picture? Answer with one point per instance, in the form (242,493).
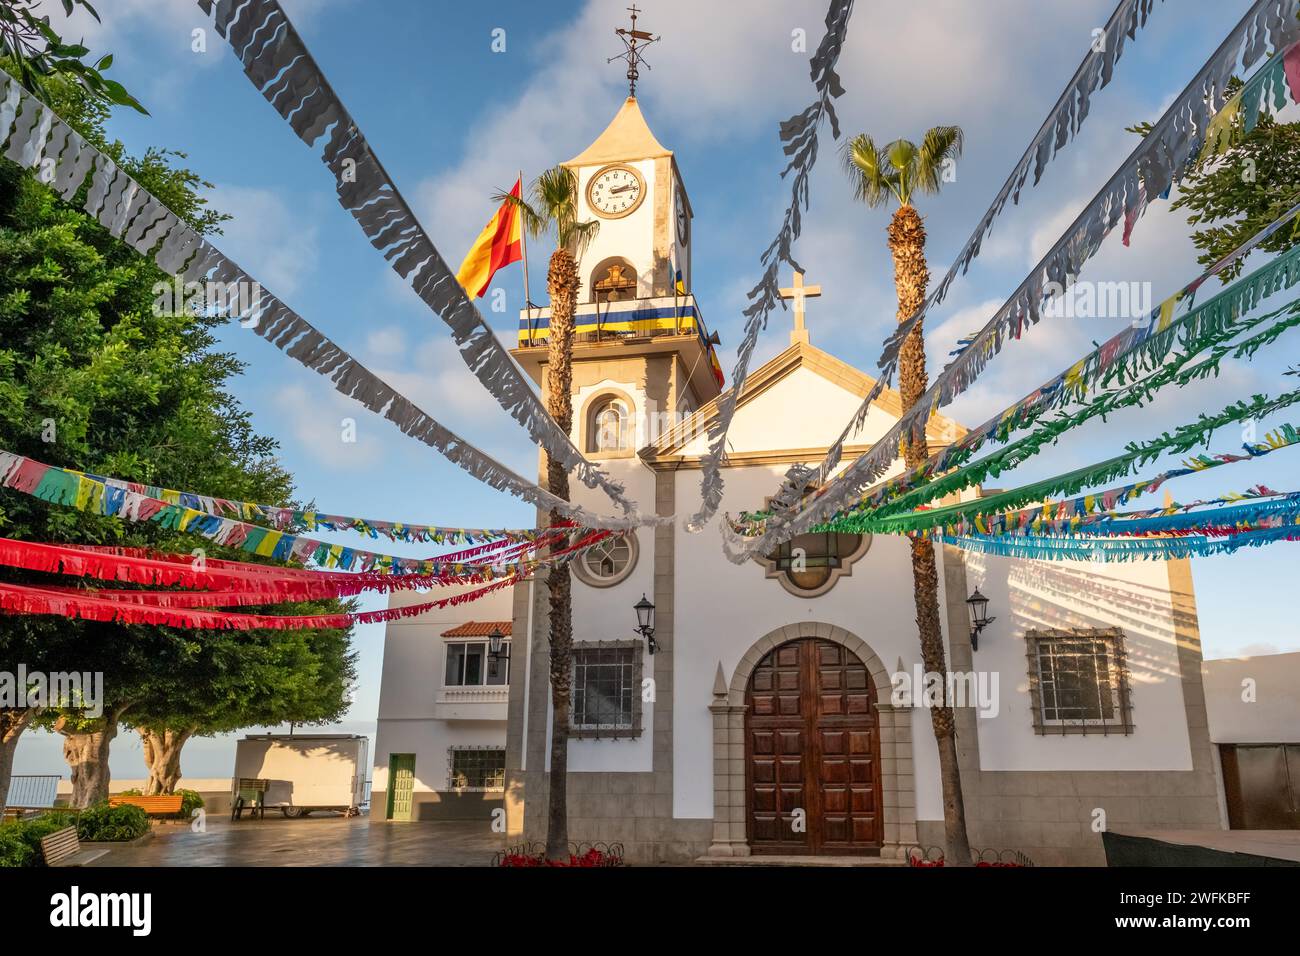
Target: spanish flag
(498,245)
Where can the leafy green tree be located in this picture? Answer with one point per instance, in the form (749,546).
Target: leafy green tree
(1234,194)
(94,377)
(37,51)
(222,681)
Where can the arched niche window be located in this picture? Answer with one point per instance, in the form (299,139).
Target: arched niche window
(808,565)
(610,426)
(613,280)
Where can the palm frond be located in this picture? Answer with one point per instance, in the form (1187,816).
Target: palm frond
(533,222)
(902,154)
(555,201)
(941,145)
(581,234)
(864,165)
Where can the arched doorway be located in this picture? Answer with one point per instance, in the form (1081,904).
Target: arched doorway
(812,752)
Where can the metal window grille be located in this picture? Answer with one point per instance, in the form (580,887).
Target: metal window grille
(607,689)
(1079,682)
(478,768)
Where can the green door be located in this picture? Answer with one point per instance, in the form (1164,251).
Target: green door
(401,786)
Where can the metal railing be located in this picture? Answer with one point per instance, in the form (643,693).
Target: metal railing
(35,791)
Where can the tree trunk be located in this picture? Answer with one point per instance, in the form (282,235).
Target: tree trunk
(12,724)
(86,752)
(562,286)
(162,755)
(911,276)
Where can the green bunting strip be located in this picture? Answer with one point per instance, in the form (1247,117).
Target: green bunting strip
(1179,441)
(1069,515)
(1119,360)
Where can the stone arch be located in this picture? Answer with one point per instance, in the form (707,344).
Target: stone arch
(898,797)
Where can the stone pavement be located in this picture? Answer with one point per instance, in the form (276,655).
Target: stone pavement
(324,840)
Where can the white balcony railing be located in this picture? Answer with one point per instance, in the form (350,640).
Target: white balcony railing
(495,694)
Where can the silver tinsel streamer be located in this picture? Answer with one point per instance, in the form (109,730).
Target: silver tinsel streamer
(280,66)
(36,137)
(799,136)
(1158,161)
(1063,122)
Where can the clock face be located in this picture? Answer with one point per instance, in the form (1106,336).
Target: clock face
(615,191)
(683,221)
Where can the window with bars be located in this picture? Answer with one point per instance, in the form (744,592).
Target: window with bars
(478,768)
(607,689)
(1078,682)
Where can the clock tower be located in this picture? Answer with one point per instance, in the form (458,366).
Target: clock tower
(640,343)
(631,185)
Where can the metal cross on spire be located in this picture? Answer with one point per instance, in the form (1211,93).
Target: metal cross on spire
(635,42)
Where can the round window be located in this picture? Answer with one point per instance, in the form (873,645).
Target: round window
(609,562)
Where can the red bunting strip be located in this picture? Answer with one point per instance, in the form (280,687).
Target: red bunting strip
(240,598)
(267,584)
(24,599)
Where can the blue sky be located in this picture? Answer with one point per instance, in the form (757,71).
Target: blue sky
(453,121)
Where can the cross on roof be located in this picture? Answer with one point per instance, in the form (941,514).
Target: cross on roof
(799,292)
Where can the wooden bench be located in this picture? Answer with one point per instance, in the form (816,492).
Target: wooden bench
(250,795)
(62,848)
(163,806)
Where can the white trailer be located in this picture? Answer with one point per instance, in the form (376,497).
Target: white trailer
(305,772)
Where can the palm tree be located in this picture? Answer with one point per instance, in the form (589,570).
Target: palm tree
(554,207)
(898,170)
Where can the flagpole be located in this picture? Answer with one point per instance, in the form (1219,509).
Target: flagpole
(523,242)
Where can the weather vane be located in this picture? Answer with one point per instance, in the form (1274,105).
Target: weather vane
(636,41)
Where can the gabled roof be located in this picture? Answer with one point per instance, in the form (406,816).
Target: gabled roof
(479,629)
(626,138)
(939,429)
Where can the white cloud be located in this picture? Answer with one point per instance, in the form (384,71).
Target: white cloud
(277,244)
(386,341)
(319,419)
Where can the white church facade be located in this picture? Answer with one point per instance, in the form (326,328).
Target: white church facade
(765,720)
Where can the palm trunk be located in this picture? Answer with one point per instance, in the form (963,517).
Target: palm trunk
(562,286)
(86,752)
(911,277)
(162,755)
(12,724)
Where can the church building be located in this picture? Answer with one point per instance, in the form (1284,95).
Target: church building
(769,714)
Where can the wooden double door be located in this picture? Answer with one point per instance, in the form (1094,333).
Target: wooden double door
(812,753)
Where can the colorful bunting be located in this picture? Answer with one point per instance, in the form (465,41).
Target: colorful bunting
(1062,123)
(1160,158)
(267,584)
(92,606)
(88,493)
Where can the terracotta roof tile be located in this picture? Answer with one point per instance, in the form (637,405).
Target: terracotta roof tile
(478,629)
